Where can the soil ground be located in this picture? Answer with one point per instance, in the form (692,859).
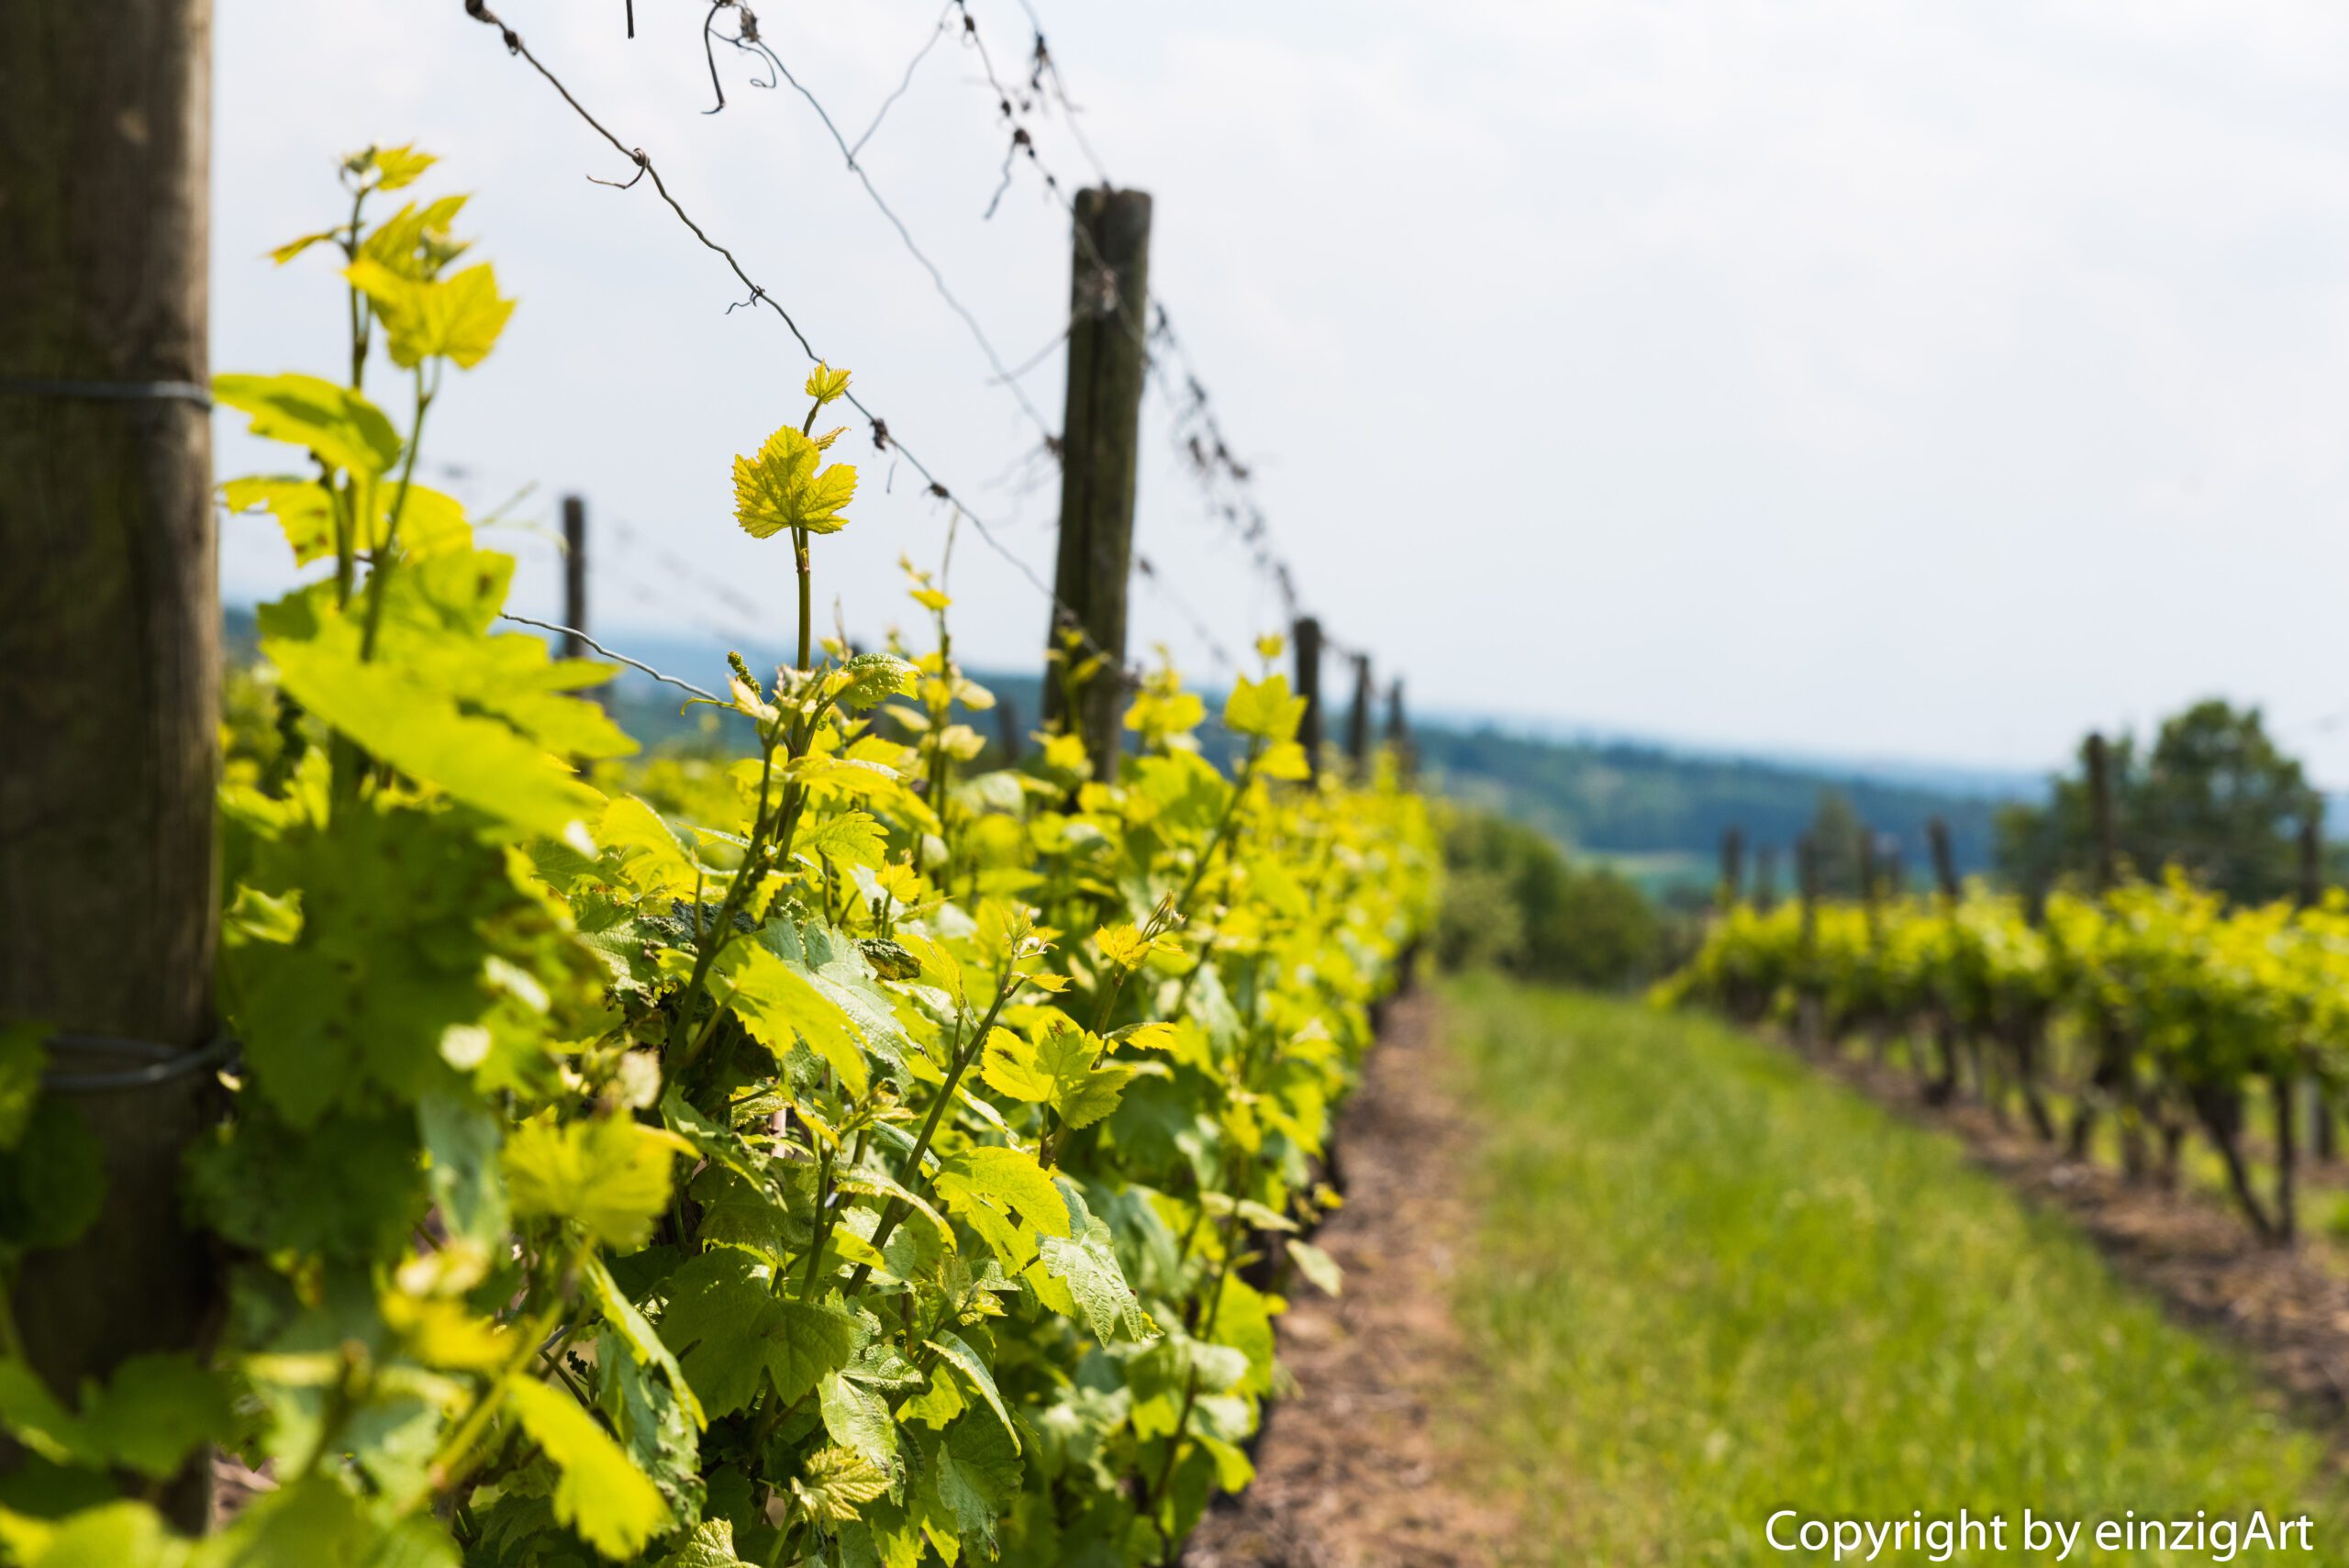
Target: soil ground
(1355,1469)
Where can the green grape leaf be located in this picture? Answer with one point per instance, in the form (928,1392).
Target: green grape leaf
(966,1360)
(457,318)
(656,1422)
(461,1140)
(836,1482)
(870,678)
(399,166)
(1264,708)
(645,1346)
(976,1474)
(1081,1091)
(846,838)
(303,511)
(652,857)
(338,426)
(728,1328)
(601,1495)
(1316,1266)
(739,1212)
(1009,1067)
(843,972)
(983,1180)
(609,1173)
(387,964)
(35,1418)
(711,1545)
(111,1535)
(779,1002)
(1087,1262)
(426,733)
(344,1186)
(156,1410)
(857,1419)
(415,240)
(785,487)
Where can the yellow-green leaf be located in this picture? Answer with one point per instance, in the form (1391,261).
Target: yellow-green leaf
(1264,708)
(601,1495)
(457,318)
(775,1001)
(341,428)
(611,1174)
(786,486)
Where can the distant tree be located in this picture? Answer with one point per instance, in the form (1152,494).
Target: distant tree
(1835,830)
(2214,797)
(1514,901)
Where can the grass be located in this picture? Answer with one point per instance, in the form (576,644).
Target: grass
(1714,1284)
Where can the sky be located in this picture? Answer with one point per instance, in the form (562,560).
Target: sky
(1900,380)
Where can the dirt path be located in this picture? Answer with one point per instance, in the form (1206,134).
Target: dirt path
(1353,1470)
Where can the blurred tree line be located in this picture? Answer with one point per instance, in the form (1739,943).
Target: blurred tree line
(2213,795)
(1513,901)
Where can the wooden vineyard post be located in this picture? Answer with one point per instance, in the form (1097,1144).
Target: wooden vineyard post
(2115,1073)
(1944,860)
(1399,732)
(1100,435)
(1809,1022)
(2323,1146)
(574,575)
(1006,729)
(1358,720)
(1307,641)
(110,657)
(1868,877)
(2311,890)
(1943,1087)
(1732,881)
(2108,853)
(1879,1036)
(1765,879)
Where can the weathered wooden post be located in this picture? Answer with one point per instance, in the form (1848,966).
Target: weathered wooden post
(111,653)
(1399,732)
(574,575)
(1732,882)
(2313,852)
(1358,718)
(1006,729)
(2323,1146)
(1945,860)
(2107,851)
(1305,640)
(1100,435)
(1809,1009)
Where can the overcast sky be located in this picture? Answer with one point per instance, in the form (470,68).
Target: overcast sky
(1907,381)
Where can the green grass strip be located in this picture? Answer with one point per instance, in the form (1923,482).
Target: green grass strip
(1714,1284)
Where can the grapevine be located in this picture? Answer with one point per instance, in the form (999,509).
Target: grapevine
(837,1155)
(2174,1011)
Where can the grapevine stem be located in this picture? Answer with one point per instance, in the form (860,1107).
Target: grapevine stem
(381,553)
(894,1214)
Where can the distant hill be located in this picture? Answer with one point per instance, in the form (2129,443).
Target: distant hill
(1660,812)
(1656,812)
